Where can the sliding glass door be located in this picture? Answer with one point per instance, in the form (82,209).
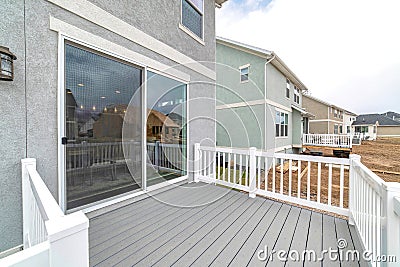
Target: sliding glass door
(99,92)
(106,138)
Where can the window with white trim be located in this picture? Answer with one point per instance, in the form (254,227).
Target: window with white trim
(287,88)
(192,15)
(336,129)
(296,95)
(281,124)
(244,73)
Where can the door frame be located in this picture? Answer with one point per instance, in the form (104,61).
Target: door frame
(61,161)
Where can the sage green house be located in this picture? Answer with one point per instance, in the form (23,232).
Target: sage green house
(259,99)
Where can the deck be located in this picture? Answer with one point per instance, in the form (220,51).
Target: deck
(208,225)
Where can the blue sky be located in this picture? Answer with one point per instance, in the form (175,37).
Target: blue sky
(347,52)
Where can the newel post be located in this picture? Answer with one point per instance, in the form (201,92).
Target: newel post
(391,225)
(196,171)
(69,240)
(354,160)
(252,172)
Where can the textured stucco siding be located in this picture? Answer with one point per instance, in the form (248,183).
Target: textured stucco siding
(12,125)
(241,127)
(230,89)
(158,18)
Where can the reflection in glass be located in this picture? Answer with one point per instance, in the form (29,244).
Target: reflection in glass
(99,162)
(166,128)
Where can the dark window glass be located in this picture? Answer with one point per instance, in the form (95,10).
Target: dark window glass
(192,18)
(166,149)
(99,162)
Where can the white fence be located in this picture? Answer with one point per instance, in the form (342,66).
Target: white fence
(328,140)
(342,186)
(50,238)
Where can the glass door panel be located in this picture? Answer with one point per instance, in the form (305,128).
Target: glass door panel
(102,96)
(166,129)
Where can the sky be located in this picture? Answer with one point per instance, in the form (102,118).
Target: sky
(347,52)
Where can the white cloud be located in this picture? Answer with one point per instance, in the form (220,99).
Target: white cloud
(346,51)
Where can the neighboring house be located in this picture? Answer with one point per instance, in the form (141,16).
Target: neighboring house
(259,99)
(372,126)
(75,60)
(393,115)
(328,118)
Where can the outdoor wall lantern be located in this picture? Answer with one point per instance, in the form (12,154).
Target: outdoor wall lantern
(6,64)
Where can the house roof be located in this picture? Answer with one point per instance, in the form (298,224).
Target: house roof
(276,61)
(392,115)
(220,2)
(372,119)
(330,105)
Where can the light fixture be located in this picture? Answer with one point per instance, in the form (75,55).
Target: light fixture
(117,92)
(81,85)
(102,97)
(7,64)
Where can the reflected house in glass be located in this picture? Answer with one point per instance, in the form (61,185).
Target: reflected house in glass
(113,108)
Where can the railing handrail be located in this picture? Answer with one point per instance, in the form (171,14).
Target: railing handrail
(47,205)
(371,178)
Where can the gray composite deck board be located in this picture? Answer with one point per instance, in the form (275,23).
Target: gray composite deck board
(314,239)
(122,224)
(299,241)
(159,244)
(235,242)
(329,240)
(208,225)
(285,237)
(357,244)
(343,232)
(132,237)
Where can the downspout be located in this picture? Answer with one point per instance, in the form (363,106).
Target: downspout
(265,99)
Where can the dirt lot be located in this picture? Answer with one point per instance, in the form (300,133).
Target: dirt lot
(381,156)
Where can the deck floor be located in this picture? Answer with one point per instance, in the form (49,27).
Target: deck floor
(207,225)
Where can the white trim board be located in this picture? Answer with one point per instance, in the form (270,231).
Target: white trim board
(254,103)
(326,120)
(102,18)
(102,44)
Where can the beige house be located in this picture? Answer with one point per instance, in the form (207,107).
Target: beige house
(328,118)
(372,126)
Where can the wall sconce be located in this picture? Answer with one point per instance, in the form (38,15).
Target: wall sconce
(6,65)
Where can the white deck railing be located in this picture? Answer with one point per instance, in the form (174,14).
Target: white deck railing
(328,140)
(50,238)
(112,154)
(342,186)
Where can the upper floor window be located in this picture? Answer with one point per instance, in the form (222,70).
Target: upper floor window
(193,15)
(244,73)
(287,88)
(281,124)
(335,113)
(296,95)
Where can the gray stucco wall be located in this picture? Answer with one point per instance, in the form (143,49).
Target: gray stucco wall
(157,18)
(12,125)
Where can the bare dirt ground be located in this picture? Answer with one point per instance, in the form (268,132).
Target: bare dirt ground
(382,157)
